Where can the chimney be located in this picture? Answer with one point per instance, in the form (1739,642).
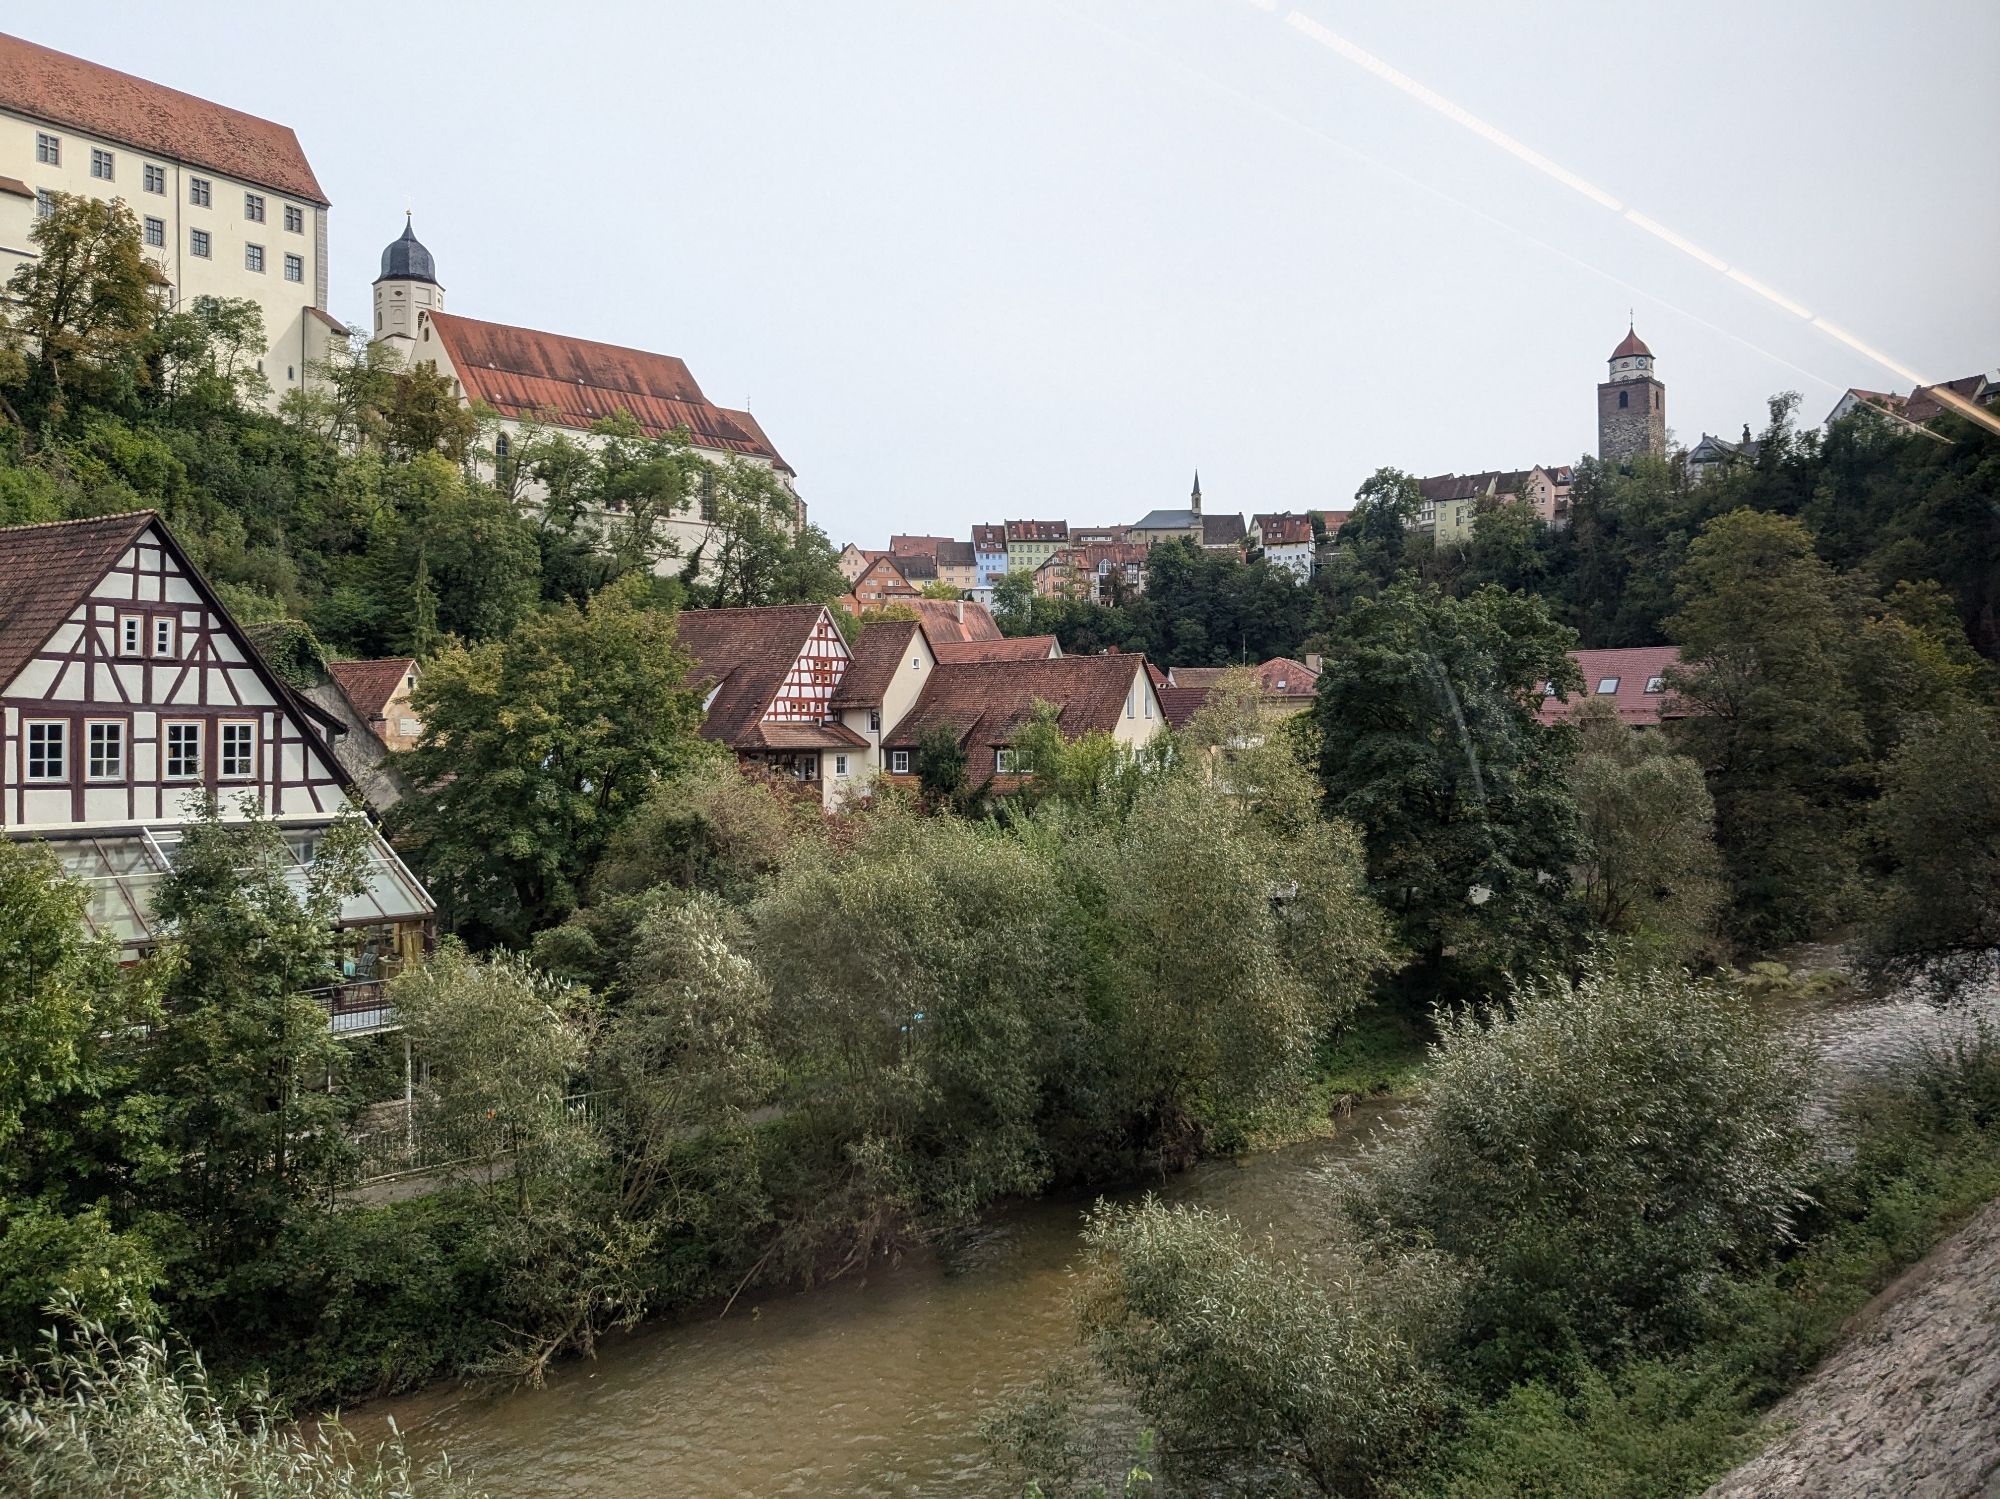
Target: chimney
(1312,663)
(961,611)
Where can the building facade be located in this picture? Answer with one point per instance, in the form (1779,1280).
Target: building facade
(1031,542)
(227,203)
(1631,404)
(989,557)
(1287,541)
(128,696)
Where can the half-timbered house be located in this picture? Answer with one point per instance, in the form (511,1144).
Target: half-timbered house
(127,697)
(769,677)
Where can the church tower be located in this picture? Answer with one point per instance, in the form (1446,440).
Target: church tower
(1631,405)
(1194,499)
(407,286)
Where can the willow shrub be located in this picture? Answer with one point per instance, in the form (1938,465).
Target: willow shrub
(1596,1156)
(97,1417)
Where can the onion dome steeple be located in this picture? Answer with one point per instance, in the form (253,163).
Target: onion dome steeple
(406,259)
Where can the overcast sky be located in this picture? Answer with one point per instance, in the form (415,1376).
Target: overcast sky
(977,259)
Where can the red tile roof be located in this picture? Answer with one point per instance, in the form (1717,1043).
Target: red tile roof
(989,538)
(1281,677)
(878,650)
(369,685)
(1181,703)
(1633,667)
(947,620)
(1285,530)
(986,703)
(912,546)
(1017,648)
(529,375)
(65,90)
(1037,530)
(744,654)
(47,570)
(16,186)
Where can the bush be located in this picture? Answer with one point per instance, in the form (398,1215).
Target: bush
(100,1418)
(1596,1156)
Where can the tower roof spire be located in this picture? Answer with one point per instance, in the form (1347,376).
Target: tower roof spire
(406,259)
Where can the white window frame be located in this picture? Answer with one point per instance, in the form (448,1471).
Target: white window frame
(103,165)
(840,766)
(131,635)
(874,720)
(117,734)
(222,751)
(899,762)
(1131,708)
(48,149)
(1656,684)
(167,771)
(165,639)
(28,736)
(1003,762)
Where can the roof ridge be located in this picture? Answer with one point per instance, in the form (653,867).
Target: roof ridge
(82,520)
(573,338)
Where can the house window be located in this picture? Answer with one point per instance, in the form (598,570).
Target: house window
(239,749)
(899,762)
(805,768)
(1005,762)
(107,751)
(48,149)
(1149,698)
(253,258)
(1655,684)
(156,232)
(1548,689)
(1606,686)
(131,639)
(295,219)
(840,765)
(501,446)
(198,243)
(45,203)
(874,720)
(1624,397)
(48,751)
(163,635)
(100,164)
(198,191)
(183,751)
(295,268)
(916,663)
(1131,708)
(253,207)
(156,178)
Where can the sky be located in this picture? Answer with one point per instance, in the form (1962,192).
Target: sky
(974,260)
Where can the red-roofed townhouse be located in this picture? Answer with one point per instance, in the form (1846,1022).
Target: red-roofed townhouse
(883,581)
(1287,541)
(128,695)
(770,678)
(1632,679)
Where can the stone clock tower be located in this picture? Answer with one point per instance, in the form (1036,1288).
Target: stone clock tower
(1631,405)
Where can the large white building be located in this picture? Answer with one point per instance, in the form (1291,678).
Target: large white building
(227,203)
(529,379)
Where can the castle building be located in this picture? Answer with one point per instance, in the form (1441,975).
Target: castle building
(1631,404)
(227,203)
(528,379)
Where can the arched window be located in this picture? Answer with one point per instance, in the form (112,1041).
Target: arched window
(501,447)
(1624,399)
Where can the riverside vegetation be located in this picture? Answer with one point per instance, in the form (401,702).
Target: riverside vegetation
(689,1039)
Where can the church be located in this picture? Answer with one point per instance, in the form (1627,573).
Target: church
(530,380)
(1631,404)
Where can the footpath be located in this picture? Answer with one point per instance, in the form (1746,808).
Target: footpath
(1908,1406)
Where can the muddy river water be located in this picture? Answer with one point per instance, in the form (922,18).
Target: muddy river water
(875,1386)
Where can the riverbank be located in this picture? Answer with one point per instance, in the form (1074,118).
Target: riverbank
(1910,1404)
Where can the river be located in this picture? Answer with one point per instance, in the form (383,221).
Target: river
(868,1387)
(875,1386)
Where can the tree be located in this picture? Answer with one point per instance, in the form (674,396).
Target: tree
(535,751)
(421,413)
(1649,870)
(760,550)
(243,1052)
(1430,745)
(1594,1156)
(1936,914)
(80,309)
(1768,714)
(940,766)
